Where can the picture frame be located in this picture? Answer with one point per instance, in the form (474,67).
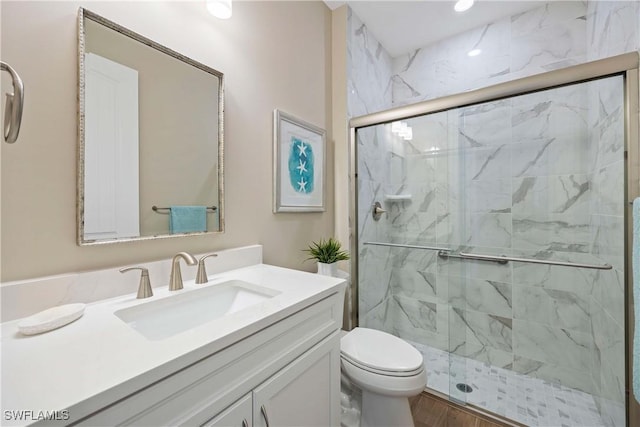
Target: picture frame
(299,165)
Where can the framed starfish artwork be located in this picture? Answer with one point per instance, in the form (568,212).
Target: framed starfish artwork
(299,151)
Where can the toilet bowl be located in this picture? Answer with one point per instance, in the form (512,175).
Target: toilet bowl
(387,370)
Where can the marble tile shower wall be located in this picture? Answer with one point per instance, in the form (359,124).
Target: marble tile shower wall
(529,176)
(369,90)
(555,35)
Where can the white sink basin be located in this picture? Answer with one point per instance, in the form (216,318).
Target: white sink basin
(163,318)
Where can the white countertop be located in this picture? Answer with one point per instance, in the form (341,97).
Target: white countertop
(99,358)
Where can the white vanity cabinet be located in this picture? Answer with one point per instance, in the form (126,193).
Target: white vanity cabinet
(305,393)
(239,414)
(287,372)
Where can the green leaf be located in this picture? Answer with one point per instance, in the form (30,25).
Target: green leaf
(327,251)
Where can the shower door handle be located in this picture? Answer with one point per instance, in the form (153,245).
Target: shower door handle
(445,254)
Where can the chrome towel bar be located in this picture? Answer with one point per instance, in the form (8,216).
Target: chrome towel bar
(157,209)
(505,259)
(446,253)
(397,245)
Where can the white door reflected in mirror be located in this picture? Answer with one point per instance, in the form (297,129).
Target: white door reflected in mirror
(111,209)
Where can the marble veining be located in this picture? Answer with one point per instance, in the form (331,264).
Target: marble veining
(612,28)
(413,313)
(486,296)
(549,14)
(481,330)
(552,307)
(552,232)
(551,344)
(369,77)
(414,283)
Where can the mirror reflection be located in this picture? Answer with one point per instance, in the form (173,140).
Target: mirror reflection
(151,145)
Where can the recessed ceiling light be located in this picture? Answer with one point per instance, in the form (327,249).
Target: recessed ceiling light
(220,8)
(474,52)
(462,5)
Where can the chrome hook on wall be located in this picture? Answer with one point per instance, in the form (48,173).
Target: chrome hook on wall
(13,106)
(377,211)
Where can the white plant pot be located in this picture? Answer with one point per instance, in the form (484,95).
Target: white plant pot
(328,269)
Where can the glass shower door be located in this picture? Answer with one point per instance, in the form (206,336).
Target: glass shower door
(400,289)
(538,177)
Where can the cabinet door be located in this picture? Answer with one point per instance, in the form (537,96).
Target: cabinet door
(305,393)
(237,415)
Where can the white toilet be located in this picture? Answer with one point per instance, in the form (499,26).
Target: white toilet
(387,370)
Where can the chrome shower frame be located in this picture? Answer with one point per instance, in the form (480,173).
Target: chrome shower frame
(625,65)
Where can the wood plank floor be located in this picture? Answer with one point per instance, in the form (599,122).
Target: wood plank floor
(431,411)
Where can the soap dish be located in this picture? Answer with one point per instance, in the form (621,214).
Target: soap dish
(51,318)
(397,198)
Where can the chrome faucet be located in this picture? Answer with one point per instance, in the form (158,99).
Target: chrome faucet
(201,275)
(144,289)
(175,280)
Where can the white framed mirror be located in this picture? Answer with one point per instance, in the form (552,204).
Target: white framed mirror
(151,140)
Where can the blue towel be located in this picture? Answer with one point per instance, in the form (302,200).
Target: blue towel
(187,219)
(635,261)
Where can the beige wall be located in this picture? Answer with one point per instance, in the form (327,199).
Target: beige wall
(273,54)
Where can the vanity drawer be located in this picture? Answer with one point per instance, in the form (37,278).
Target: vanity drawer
(196,393)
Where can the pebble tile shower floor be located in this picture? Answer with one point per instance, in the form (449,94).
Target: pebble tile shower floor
(527,400)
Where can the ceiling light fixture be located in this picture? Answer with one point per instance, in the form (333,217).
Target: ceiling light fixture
(474,52)
(220,8)
(462,5)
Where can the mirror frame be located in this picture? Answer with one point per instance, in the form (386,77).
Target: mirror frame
(86,14)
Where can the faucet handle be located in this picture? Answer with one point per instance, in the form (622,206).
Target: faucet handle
(201,275)
(144,289)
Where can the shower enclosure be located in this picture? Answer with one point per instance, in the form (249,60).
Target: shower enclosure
(500,244)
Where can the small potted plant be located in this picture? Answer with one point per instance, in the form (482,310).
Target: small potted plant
(327,253)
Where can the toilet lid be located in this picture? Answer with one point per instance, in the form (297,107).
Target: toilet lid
(380,351)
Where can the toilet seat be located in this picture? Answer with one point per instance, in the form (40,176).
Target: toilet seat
(386,372)
(387,385)
(381,353)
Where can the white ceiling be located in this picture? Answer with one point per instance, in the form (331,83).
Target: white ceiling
(403,26)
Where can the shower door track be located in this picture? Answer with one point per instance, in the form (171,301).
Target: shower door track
(625,65)
(615,65)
